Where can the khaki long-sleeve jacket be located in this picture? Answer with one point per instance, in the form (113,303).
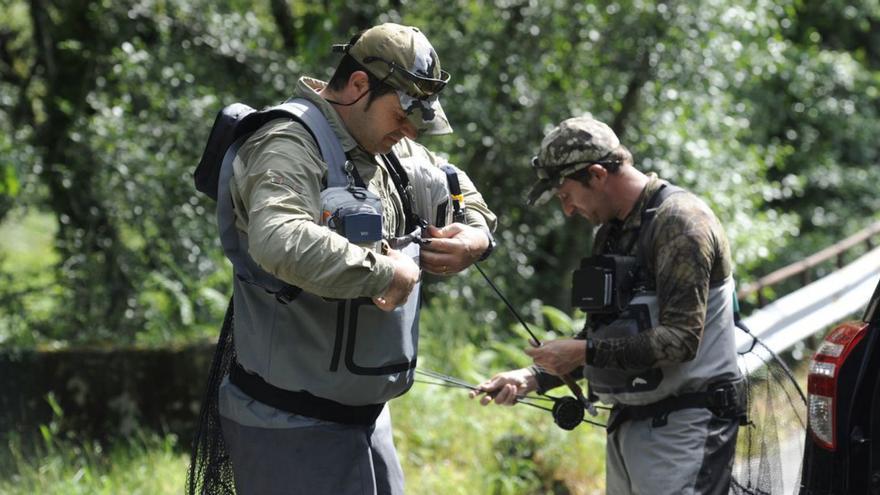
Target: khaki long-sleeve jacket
(276,187)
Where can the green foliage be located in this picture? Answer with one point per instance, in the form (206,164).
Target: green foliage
(768,110)
(27,292)
(145,464)
(450,444)
(446,444)
(142,463)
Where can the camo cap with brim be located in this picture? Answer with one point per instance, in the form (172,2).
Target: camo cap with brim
(403,57)
(573,145)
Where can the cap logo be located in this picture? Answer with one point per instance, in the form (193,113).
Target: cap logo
(427,112)
(432,65)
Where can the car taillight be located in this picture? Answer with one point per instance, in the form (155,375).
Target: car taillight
(822,380)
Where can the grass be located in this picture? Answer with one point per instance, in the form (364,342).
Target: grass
(146,464)
(450,444)
(447,444)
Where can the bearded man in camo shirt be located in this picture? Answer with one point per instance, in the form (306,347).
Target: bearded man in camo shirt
(666,360)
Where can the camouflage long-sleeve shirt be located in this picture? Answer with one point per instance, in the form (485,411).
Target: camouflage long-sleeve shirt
(688,253)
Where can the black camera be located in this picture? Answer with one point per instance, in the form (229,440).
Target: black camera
(603,284)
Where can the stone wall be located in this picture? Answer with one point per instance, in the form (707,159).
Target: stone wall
(104,392)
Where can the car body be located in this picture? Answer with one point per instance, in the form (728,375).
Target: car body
(842,445)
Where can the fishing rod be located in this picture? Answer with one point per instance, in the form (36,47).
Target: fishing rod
(566,408)
(565,416)
(569,407)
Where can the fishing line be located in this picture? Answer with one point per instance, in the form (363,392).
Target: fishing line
(564,414)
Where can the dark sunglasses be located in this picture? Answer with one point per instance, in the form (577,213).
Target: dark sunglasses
(427,85)
(550,172)
(553,173)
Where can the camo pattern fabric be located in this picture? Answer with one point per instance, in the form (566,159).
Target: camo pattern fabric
(688,253)
(574,145)
(577,140)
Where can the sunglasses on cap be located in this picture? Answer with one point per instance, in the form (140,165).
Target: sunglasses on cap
(555,172)
(428,86)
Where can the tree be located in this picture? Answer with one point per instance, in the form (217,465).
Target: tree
(766,109)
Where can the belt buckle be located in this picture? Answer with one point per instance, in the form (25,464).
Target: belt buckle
(721,397)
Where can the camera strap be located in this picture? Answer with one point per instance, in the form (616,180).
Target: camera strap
(404,189)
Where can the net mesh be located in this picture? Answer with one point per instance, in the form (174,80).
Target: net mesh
(210,471)
(770,446)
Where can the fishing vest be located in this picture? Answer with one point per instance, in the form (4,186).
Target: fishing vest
(716,357)
(347,351)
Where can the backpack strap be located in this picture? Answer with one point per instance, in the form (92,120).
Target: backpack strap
(310,116)
(234,242)
(648,214)
(339,168)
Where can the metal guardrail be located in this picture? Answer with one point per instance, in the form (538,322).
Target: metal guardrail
(808,310)
(804,266)
(805,312)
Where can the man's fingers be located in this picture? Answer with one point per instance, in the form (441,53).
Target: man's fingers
(448,231)
(487,391)
(443,245)
(507,395)
(434,232)
(382,304)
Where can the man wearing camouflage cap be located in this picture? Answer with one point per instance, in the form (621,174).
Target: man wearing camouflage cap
(329,359)
(667,360)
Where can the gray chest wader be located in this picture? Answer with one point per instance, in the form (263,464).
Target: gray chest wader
(711,380)
(336,360)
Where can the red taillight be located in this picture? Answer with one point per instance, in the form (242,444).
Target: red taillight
(822,381)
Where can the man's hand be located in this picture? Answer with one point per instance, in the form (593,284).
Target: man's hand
(406,274)
(504,387)
(559,357)
(453,248)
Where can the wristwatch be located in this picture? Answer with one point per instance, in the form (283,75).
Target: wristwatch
(591,351)
(489,248)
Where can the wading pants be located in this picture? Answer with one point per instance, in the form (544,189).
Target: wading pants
(321,458)
(691,454)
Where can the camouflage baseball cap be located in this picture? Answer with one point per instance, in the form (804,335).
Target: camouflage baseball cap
(402,57)
(572,146)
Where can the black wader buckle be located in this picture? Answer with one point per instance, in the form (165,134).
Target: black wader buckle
(725,401)
(660,420)
(723,398)
(287,294)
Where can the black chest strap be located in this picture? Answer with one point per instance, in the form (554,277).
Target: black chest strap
(404,189)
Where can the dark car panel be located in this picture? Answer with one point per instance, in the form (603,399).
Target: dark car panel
(853,466)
